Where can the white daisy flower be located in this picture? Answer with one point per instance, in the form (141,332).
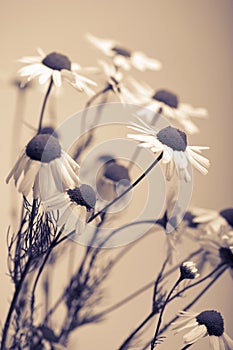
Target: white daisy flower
(113,180)
(115,83)
(212,221)
(176,152)
(188,270)
(166,103)
(77,204)
(207,323)
(57,67)
(43,164)
(124,58)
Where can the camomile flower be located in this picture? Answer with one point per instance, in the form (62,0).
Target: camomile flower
(77,204)
(123,58)
(113,180)
(188,270)
(176,152)
(207,323)
(57,67)
(115,83)
(218,247)
(212,221)
(42,165)
(166,103)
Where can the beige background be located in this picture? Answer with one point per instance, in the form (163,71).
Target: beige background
(193,39)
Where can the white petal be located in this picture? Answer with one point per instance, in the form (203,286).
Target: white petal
(75,66)
(203,160)
(56,172)
(43,78)
(71,171)
(41,52)
(57,201)
(17,168)
(228,341)
(36,189)
(30,59)
(57,78)
(65,216)
(121,62)
(186,324)
(142,62)
(214,342)
(29,178)
(195,334)
(81,222)
(32,69)
(105,45)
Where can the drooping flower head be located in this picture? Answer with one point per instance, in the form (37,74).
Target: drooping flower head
(57,67)
(176,151)
(207,323)
(115,83)
(122,57)
(188,270)
(77,206)
(113,179)
(44,164)
(166,103)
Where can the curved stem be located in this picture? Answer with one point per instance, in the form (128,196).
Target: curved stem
(20,283)
(143,289)
(44,105)
(85,142)
(142,324)
(198,282)
(13,304)
(53,244)
(156,161)
(187,307)
(153,343)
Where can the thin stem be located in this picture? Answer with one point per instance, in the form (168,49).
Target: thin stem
(158,279)
(53,244)
(186,346)
(44,105)
(13,304)
(187,307)
(20,283)
(156,161)
(143,289)
(131,336)
(83,120)
(198,282)
(153,343)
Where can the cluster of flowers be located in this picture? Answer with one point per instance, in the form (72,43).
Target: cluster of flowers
(48,173)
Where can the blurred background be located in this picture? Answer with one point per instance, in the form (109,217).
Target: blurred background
(193,40)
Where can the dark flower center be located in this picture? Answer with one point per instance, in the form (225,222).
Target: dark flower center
(57,61)
(227,214)
(49,130)
(213,322)
(83,195)
(173,138)
(166,97)
(44,148)
(226,256)
(116,172)
(187,272)
(188,216)
(121,51)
